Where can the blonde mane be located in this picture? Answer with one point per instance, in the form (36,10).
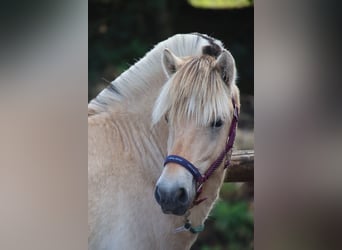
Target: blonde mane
(146,77)
(196,92)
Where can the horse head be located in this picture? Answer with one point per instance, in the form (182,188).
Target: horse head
(197,102)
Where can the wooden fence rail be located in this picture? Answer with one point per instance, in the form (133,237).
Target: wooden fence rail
(241,167)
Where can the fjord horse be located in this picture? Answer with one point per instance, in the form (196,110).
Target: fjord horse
(180,101)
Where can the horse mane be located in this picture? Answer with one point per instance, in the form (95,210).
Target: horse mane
(147,74)
(195,92)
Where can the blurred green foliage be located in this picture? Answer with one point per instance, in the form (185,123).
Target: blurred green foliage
(230,224)
(220,4)
(235,222)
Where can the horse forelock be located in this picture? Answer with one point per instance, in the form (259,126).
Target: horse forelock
(196,92)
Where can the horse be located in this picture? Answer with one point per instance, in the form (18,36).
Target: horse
(181,101)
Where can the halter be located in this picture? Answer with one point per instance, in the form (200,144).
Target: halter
(200,179)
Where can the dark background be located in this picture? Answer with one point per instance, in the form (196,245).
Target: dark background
(121,32)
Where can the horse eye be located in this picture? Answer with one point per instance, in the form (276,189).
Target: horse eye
(166,119)
(216,124)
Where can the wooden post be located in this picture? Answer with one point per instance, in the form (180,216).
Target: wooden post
(241,168)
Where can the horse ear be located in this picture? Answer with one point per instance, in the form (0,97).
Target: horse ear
(225,64)
(171,62)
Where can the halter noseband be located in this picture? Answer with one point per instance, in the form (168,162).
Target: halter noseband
(200,179)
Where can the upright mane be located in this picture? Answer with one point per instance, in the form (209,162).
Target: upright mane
(146,77)
(195,92)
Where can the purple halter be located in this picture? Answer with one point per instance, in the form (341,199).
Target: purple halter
(200,179)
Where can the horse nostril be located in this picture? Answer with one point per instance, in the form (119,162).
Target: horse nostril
(171,199)
(157,194)
(182,195)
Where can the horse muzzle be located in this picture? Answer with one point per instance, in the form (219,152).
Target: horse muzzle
(173,200)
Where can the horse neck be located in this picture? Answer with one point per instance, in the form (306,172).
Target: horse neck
(146,143)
